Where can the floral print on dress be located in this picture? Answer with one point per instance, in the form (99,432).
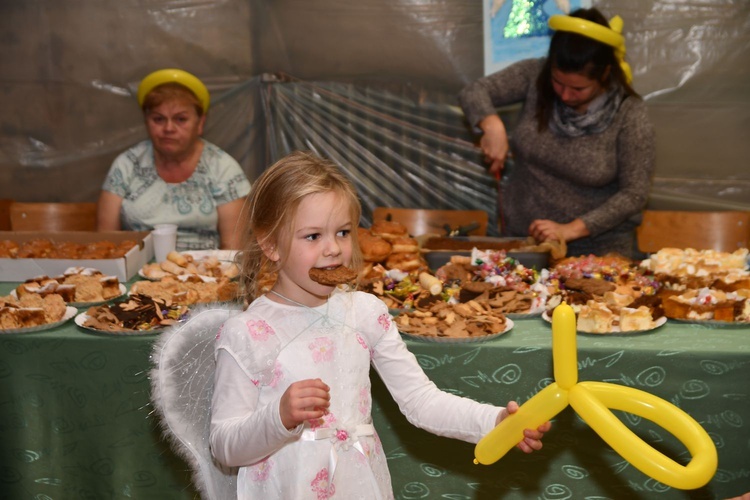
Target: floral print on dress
(327,420)
(259,330)
(321,486)
(322,350)
(364,401)
(362,342)
(277,374)
(261,470)
(385,321)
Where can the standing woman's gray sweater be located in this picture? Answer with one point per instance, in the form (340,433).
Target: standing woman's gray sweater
(603,179)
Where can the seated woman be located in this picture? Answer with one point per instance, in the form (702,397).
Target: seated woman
(175,176)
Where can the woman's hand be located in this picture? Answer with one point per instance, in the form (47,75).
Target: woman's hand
(532,438)
(545,230)
(304,400)
(494,143)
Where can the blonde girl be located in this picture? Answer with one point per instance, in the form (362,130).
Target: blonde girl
(292,399)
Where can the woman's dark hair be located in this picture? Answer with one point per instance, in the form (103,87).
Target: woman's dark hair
(573,53)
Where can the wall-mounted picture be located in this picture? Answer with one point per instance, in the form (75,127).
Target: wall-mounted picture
(517,29)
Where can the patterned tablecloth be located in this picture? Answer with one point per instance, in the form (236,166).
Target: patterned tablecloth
(76,421)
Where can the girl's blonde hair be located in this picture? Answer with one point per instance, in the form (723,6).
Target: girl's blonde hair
(272,205)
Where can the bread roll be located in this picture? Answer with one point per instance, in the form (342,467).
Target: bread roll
(171,267)
(178,258)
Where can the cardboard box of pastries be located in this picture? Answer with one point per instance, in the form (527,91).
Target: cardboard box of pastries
(105,251)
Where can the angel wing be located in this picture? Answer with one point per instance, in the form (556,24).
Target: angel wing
(181,389)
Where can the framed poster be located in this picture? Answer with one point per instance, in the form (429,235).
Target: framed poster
(517,29)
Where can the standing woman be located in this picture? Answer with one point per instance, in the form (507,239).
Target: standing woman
(583,148)
(175,176)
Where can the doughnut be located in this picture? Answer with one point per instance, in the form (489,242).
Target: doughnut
(388,229)
(374,248)
(406,262)
(405,244)
(330,277)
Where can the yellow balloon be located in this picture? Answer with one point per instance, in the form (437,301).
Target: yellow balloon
(611,35)
(592,401)
(539,409)
(590,29)
(564,352)
(172,75)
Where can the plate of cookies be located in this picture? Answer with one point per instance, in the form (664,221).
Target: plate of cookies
(31,319)
(473,321)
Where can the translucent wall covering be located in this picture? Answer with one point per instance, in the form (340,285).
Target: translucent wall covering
(374,87)
(401,150)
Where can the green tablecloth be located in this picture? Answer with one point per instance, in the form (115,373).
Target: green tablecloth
(76,421)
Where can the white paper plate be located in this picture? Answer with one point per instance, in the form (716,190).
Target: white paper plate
(461,340)
(615,329)
(81,319)
(69,313)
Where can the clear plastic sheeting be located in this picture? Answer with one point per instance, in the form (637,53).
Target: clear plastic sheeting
(383,102)
(400,150)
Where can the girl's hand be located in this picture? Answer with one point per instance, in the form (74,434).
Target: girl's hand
(494,144)
(544,230)
(304,400)
(532,438)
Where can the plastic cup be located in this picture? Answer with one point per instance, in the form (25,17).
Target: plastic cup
(165,240)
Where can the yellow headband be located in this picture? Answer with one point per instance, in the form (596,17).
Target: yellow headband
(611,36)
(174,76)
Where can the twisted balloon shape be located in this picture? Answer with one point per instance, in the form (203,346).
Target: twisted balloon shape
(593,402)
(611,35)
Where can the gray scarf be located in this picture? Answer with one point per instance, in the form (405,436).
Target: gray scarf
(598,116)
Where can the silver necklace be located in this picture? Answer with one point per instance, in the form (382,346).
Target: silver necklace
(324,317)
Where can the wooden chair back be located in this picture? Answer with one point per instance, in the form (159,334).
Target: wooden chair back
(5,214)
(419,221)
(724,231)
(53,216)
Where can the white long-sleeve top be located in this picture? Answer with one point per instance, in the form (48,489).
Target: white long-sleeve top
(261,351)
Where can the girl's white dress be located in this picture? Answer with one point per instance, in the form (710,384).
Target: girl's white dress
(262,350)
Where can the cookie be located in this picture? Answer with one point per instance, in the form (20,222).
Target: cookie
(332,277)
